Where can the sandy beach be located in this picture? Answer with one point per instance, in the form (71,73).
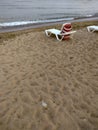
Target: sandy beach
(46,84)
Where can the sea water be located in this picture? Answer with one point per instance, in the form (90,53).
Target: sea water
(21,12)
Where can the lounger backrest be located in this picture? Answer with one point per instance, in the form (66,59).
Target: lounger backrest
(67,27)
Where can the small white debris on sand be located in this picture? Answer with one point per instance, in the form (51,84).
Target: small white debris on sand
(44,104)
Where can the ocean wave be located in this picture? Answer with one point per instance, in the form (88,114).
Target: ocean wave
(20,23)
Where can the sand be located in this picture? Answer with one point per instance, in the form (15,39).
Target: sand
(49,85)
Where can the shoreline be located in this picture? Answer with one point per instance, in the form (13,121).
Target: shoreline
(40,25)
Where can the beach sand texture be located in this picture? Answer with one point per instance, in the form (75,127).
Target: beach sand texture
(49,85)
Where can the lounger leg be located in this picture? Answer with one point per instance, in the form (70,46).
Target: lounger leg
(90,30)
(48,33)
(93,30)
(59,39)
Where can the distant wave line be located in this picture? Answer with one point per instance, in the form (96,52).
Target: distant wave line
(19,23)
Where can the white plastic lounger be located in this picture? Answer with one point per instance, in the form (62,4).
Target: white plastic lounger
(62,34)
(92,28)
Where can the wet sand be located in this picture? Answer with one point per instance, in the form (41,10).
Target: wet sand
(49,85)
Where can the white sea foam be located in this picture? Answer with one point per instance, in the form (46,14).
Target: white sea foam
(19,23)
(9,24)
(89,15)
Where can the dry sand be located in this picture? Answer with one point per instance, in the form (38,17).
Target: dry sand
(49,85)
